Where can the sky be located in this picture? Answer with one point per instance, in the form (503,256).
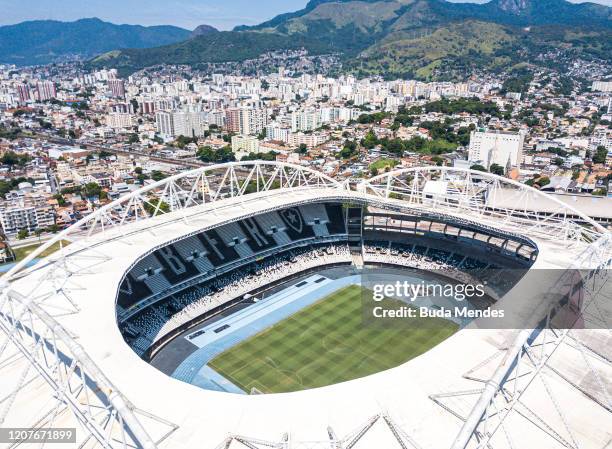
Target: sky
(223,14)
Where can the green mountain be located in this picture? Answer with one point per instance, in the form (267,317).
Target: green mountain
(222,46)
(46,41)
(460,48)
(422,38)
(403,13)
(202,30)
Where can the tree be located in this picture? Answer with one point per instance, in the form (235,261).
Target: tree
(348,150)
(437,160)
(23,234)
(370,140)
(469,105)
(376,117)
(53,228)
(600,155)
(497,169)
(519,82)
(91,190)
(182,141)
(156,175)
(543,181)
(158,205)
(478,167)
(302,149)
(38,232)
(11,158)
(134,104)
(133,138)
(269,156)
(61,201)
(208,154)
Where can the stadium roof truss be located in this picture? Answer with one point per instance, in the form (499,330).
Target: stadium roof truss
(476,195)
(59,369)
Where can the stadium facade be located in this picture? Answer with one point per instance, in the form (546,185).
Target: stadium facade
(76,339)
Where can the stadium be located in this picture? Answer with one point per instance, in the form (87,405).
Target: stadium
(222,308)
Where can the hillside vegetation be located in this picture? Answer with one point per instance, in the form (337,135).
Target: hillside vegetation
(425,39)
(46,41)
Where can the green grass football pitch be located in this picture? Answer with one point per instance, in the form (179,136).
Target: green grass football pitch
(323,344)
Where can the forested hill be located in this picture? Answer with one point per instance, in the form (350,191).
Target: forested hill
(407,38)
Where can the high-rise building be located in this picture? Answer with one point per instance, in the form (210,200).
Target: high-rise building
(122,108)
(147,107)
(501,148)
(117,88)
(275,131)
(232,120)
(308,120)
(253,121)
(165,124)
(23,90)
(245,120)
(45,90)
(188,124)
(216,118)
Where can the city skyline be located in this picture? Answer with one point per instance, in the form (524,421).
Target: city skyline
(185,13)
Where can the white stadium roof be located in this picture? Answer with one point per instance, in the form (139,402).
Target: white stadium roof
(64,362)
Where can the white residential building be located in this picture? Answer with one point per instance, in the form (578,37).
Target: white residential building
(311,140)
(307,120)
(174,124)
(20,214)
(245,144)
(118,120)
(602,86)
(601,137)
(501,148)
(275,131)
(189,124)
(165,124)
